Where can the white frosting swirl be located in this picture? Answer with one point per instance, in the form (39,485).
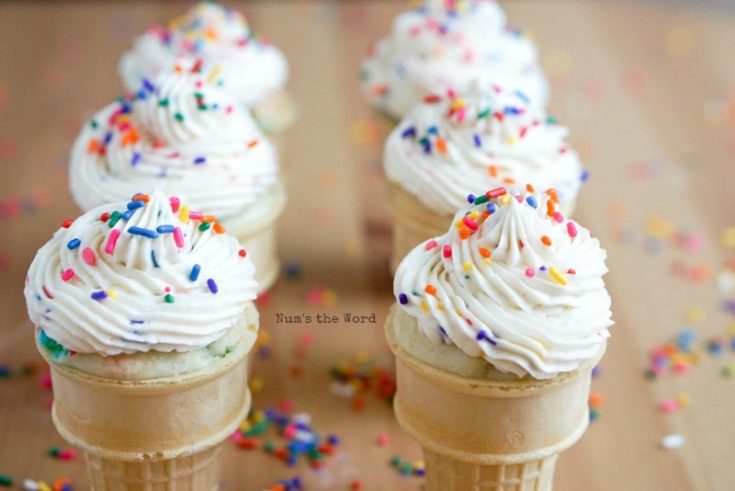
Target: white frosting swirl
(252,68)
(511,281)
(488,137)
(445,45)
(97,288)
(182,133)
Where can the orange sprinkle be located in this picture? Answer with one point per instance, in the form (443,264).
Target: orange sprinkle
(550,208)
(546,240)
(142,197)
(509,180)
(493,170)
(208,219)
(430,289)
(94,146)
(485,252)
(597,399)
(218,228)
(552,193)
(530,188)
(252,143)
(441,145)
(464,233)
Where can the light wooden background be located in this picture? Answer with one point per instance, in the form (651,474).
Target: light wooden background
(648,90)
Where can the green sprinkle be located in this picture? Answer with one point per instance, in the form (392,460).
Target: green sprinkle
(179,117)
(551,120)
(54,451)
(114,217)
(202,107)
(198,95)
(484,113)
(163,103)
(204,227)
(5,480)
(480,200)
(169,298)
(268,446)
(56,349)
(406,469)
(395,461)
(93,124)
(258,428)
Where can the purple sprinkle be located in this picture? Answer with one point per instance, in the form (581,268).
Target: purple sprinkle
(100,295)
(200,160)
(134,321)
(403,299)
(409,132)
(481,335)
(542,268)
(107,138)
(147,85)
(491,208)
(585,175)
(477,140)
(471,198)
(136,158)
(212,285)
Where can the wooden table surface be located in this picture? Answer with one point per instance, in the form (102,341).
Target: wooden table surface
(648,91)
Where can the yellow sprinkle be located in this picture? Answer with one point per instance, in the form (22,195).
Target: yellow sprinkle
(473,215)
(245,425)
(487,261)
(440,306)
(511,140)
(557,276)
(505,199)
(467,266)
(728,237)
(683,399)
(256,385)
(42,486)
(459,223)
(112,294)
(425,306)
(695,314)
(214,73)
(184,214)
(731,329)
(361,357)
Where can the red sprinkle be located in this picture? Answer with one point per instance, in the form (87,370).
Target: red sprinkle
(496,193)
(470,223)
(430,245)
(447,251)
(67,223)
(242,252)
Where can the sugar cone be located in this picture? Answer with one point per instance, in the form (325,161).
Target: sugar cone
(258,238)
(484,434)
(155,434)
(415,223)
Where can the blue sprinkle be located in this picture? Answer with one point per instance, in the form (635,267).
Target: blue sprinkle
(481,335)
(471,198)
(99,295)
(491,208)
(134,321)
(153,258)
(403,299)
(108,138)
(427,147)
(432,130)
(477,140)
(333,439)
(200,160)
(73,244)
(542,268)
(585,175)
(409,132)
(142,95)
(134,205)
(151,234)
(165,229)
(443,331)
(522,96)
(532,201)
(195,272)
(127,214)
(212,285)
(147,85)
(136,158)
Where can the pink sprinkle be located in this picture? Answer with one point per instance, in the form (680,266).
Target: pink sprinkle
(68,454)
(470,223)
(558,217)
(530,272)
(179,238)
(67,274)
(286,405)
(668,406)
(681,367)
(112,241)
(447,251)
(236,437)
(88,256)
(196,215)
(519,198)
(572,229)
(430,245)
(289,431)
(175,202)
(383,440)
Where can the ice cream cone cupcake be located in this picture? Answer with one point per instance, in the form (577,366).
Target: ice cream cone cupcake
(181,132)
(445,45)
(498,325)
(145,316)
(253,70)
(454,144)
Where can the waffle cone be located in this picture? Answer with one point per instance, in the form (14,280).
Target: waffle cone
(415,223)
(155,434)
(484,434)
